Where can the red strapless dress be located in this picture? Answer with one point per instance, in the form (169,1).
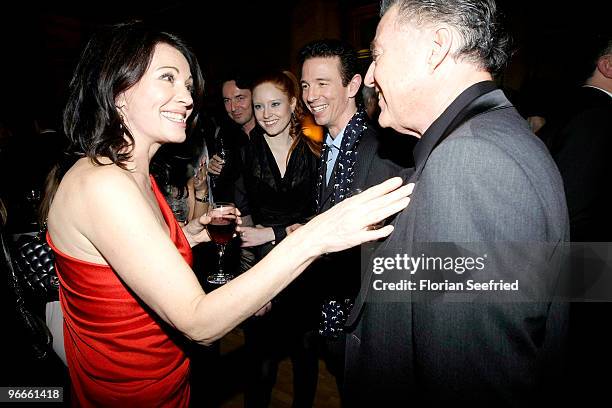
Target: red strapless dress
(118,353)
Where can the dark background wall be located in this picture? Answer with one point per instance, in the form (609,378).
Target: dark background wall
(40,44)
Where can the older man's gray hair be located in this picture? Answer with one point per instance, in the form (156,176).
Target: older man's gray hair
(484,42)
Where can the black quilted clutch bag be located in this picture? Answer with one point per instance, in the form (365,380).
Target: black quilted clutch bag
(36,263)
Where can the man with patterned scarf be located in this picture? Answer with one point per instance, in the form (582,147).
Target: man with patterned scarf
(350,162)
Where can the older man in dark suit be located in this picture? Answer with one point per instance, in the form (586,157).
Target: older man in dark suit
(482,178)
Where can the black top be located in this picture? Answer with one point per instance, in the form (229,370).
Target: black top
(275,201)
(270,199)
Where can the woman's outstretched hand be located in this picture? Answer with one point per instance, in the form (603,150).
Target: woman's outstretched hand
(353,221)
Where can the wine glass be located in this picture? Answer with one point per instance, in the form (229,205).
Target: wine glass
(221,230)
(177,201)
(223,154)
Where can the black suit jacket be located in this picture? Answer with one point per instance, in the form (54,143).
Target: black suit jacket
(340,271)
(581,144)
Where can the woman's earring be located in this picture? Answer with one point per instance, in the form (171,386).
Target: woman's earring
(121,118)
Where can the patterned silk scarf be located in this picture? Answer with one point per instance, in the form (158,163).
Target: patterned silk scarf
(342,179)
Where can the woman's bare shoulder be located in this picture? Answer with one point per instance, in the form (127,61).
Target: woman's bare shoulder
(86,183)
(85,172)
(87,194)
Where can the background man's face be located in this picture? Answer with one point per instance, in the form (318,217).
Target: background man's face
(237,103)
(323,92)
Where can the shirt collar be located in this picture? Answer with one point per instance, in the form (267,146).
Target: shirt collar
(601,89)
(438,128)
(337,142)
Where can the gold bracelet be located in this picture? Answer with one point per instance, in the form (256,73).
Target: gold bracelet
(203,199)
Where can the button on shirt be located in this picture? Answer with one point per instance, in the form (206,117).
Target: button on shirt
(333,149)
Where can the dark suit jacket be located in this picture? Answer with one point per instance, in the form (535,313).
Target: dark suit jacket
(340,271)
(491,180)
(581,143)
(232,138)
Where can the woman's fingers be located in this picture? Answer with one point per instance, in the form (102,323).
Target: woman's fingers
(353,221)
(383,212)
(389,199)
(374,234)
(244,233)
(378,207)
(391,195)
(378,190)
(204,219)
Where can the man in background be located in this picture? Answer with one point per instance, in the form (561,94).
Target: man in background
(224,165)
(580,142)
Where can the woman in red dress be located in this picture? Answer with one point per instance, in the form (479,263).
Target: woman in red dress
(127,288)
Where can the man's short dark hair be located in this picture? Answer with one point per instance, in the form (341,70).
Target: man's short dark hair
(599,44)
(243,80)
(329,48)
(591,48)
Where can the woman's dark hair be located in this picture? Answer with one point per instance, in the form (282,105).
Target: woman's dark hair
(287,83)
(170,168)
(50,188)
(113,61)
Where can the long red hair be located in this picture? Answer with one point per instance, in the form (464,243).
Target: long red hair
(287,83)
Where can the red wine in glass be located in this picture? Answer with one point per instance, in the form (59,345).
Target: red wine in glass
(221,230)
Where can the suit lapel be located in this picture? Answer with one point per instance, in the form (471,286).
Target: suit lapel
(325,191)
(364,162)
(474,100)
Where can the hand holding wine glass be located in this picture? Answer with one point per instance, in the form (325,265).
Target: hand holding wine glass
(217,161)
(223,218)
